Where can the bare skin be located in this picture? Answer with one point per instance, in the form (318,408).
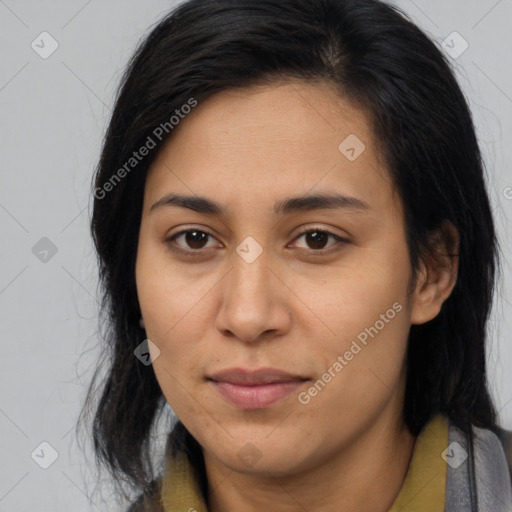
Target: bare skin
(297,307)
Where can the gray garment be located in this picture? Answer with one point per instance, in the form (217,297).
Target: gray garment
(492,477)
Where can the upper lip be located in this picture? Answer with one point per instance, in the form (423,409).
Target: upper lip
(246,377)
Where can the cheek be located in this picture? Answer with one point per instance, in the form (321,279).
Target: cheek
(186,398)
(361,370)
(367,312)
(354,295)
(175,307)
(168,298)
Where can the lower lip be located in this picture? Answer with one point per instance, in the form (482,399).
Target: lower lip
(256,397)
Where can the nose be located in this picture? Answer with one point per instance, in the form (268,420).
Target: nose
(254,301)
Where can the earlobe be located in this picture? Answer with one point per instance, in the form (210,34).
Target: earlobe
(437,275)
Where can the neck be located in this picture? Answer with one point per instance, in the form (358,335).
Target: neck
(364,477)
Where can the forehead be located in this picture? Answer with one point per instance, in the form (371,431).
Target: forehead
(268,141)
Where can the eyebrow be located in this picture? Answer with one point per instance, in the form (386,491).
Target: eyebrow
(281,208)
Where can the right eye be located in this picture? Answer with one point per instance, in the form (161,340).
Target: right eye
(193,238)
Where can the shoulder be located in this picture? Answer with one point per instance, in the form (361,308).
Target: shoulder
(493,460)
(494,449)
(505,436)
(148,501)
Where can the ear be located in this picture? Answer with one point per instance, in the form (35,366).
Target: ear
(437,274)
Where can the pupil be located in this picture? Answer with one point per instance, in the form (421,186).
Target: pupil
(195,237)
(316,236)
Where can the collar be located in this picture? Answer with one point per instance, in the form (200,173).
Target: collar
(424,486)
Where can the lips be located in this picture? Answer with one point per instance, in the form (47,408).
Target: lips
(255,377)
(255,389)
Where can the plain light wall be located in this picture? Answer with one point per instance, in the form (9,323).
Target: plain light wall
(54,112)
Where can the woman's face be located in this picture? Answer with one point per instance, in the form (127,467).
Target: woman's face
(326,319)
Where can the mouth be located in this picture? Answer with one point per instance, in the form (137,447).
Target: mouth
(255,389)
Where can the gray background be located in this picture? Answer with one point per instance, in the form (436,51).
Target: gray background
(54,112)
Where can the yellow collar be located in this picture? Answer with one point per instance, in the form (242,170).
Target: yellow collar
(180,487)
(423,489)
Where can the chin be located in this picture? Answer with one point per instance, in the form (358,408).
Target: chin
(274,464)
(278,457)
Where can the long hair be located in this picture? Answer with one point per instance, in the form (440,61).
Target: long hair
(374,56)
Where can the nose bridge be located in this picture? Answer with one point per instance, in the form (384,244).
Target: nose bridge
(250,274)
(250,305)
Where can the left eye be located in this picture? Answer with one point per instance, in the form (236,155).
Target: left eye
(318,238)
(196,239)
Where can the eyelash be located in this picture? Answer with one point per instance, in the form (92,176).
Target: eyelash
(199,252)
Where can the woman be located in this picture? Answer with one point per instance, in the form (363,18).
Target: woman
(293,228)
